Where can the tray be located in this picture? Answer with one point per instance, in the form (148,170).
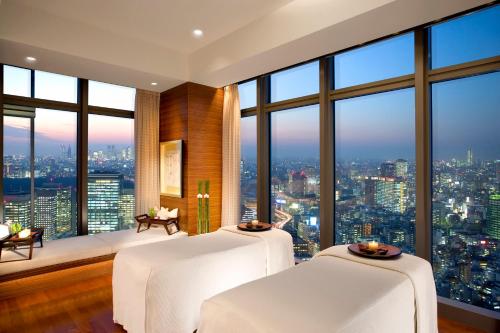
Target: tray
(385,251)
(257,228)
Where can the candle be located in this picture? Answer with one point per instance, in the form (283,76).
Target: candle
(255,222)
(373,245)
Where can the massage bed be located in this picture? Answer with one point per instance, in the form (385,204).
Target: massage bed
(160,287)
(334,292)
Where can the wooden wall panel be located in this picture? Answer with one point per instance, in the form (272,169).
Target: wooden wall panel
(193,113)
(205,137)
(173,126)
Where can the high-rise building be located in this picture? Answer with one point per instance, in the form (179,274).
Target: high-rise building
(297,182)
(401,168)
(64,211)
(46,211)
(388,169)
(493,221)
(127,208)
(104,191)
(17,208)
(470,157)
(391,194)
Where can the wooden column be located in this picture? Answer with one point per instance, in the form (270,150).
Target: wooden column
(193,113)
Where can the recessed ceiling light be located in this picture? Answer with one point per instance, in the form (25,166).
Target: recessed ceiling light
(30,59)
(197,33)
(154,83)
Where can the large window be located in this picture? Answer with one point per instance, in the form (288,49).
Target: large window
(56,87)
(17,81)
(17,170)
(111,96)
(466,188)
(467,38)
(42,155)
(55,173)
(111,174)
(382,60)
(294,82)
(295,176)
(248,168)
(248,94)
(375,169)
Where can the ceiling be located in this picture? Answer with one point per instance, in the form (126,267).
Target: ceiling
(136,42)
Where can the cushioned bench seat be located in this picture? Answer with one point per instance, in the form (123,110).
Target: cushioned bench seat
(67,250)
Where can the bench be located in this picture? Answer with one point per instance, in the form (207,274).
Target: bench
(76,251)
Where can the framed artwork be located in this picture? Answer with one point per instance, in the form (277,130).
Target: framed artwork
(171,168)
(172,228)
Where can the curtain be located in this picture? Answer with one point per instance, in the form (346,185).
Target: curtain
(147,142)
(231,157)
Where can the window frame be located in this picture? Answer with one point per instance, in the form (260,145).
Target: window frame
(83,109)
(420,80)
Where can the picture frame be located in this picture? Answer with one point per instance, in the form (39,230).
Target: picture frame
(173,228)
(171,168)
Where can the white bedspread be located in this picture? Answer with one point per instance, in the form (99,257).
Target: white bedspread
(160,287)
(327,294)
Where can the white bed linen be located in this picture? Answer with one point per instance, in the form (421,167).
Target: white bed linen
(327,294)
(160,287)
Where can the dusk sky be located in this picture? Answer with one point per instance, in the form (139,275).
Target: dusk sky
(56,128)
(466,111)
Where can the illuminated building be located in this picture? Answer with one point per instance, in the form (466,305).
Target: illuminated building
(391,194)
(297,183)
(17,208)
(388,169)
(104,191)
(401,168)
(493,222)
(470,157)
(45,211)
(127,208)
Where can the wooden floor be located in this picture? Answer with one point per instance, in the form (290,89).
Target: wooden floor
(79,300)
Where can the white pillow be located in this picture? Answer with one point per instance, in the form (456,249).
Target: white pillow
(173,213)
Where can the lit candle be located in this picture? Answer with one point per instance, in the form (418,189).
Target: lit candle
(255,222)
(373,245)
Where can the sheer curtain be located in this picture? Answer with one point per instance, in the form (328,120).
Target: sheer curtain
(231,157)
(147,182)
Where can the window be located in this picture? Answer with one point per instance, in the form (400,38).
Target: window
(295,176)
(378,61)
(466,192)
(295,82)
(17,81)
(56,87)
(248,94)
(17,170)
(55,173)
(248,168)
(111,96)
(471,37)
(375,169)
(111,174)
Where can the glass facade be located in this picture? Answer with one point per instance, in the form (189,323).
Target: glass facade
(55,173)
(111,174)
(248,168)
(111,96)
(295,82)
(17,81)
(467,38)
(56,87)
(375,169)
(40,156)
(386,59)
(466,189)
(295,179)
(248,94)
(17,170)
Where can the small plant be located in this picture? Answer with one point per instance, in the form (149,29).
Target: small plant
(16,227)
(152,213)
